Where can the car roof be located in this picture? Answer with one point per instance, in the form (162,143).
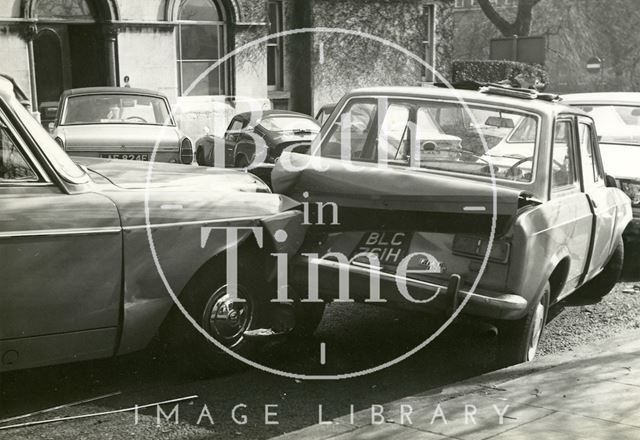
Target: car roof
(474,96)
(267,113)
(603,98)
(111,90)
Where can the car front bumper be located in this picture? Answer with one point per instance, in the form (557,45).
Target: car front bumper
(427,296)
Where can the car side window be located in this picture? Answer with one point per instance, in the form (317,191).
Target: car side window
(393,132)
(235,125)
(590,172)
(563,167)
(348,135)
(13,166)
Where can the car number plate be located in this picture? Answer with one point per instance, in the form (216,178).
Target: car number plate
(126,156)
(389,247)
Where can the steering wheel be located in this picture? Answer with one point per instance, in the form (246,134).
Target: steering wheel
(462,150)
(511,171)
(136,119)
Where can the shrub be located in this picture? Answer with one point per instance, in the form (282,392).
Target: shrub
(495,71)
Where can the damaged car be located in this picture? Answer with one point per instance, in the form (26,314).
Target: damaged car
(512,214)
(108,254)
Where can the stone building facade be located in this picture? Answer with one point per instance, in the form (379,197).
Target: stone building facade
(52,45)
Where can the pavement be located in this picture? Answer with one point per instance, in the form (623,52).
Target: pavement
(590,393)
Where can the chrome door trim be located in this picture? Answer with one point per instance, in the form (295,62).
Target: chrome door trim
(59,232)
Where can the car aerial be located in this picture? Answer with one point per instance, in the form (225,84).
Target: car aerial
(617,117)
(506,232)
(120,123)
(84,256)
(271,131)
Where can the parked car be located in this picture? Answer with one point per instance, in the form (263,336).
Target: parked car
(617,117)
(120,123)
(419,226)
(79,274)
(274,129)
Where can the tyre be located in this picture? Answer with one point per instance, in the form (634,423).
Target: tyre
(606,280)
(200,157)
(518,340)
(208,300)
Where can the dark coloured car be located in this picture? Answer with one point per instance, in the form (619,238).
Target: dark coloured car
(259,136)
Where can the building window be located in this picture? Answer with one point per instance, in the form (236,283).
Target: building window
(429,42)
(66,9)
(275,47)
(201,43)
(459,4)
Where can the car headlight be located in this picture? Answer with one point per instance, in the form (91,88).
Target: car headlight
(632,189)
(476,247)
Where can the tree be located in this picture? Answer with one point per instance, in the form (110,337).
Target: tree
(521,26)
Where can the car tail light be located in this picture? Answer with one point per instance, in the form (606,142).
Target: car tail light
(186,151)
(476,247)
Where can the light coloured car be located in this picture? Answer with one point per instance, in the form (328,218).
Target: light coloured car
(120,123)
(85,259)
(415,231)
(617,117)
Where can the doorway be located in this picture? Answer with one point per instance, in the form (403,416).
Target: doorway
(68,56)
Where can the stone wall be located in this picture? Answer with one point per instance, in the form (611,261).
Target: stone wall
(344,62)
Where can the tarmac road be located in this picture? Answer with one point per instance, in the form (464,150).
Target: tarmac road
(356,337)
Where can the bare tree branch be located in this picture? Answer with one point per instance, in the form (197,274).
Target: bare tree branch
(522,24)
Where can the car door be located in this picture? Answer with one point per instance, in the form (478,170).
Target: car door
(594,186)
(568,212)
(60,263)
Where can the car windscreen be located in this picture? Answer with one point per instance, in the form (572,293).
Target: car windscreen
(116,109)
(289,123)
(441,135)
(616,124)
(59,159)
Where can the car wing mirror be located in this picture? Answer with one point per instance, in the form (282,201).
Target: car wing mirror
(610,181)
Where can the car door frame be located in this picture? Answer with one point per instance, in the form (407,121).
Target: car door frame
(596,210)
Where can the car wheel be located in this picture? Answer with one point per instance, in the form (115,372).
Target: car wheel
(209,301)
(200,157)
(518,340)
(606,280)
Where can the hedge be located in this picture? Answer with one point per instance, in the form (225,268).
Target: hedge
(495,71)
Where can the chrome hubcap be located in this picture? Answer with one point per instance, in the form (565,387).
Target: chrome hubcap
(227,318)
(538,323)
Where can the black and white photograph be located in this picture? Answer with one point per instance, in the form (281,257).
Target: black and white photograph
(319,219)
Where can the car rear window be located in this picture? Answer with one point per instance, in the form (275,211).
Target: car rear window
(439,135)
(116,109)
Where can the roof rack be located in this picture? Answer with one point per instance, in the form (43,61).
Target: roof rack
(502,90)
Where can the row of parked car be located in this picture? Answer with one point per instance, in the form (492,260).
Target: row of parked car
(493,203)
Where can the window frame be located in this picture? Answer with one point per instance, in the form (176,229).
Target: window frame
(222,31)
(597,175)
(278,45)
(576,185)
